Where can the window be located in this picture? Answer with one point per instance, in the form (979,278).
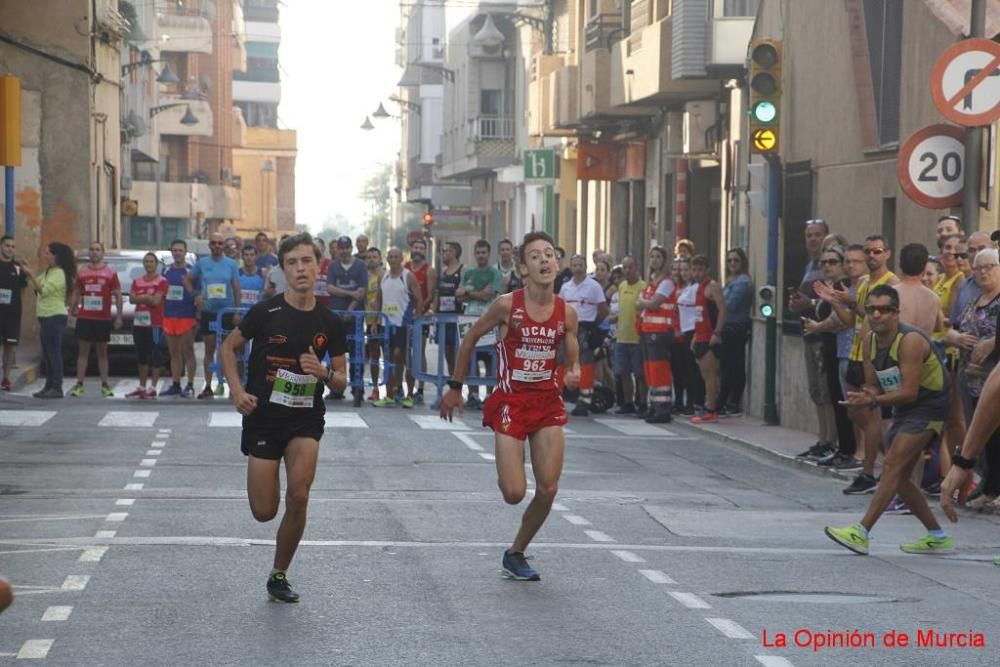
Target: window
(491,103)
(884,32)
(735,8)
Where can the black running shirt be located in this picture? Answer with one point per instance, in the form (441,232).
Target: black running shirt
(279,334)
(12,281)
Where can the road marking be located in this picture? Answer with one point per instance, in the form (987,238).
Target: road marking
(116,516)
(598,536)
(635,427)
(469,442)
(68,517)
(629,557)
(227,419)
(92,555)
(105,534)
(35,649)
(57,613)
(435,423)
(147,463)
(657,577)
(559,507)
(17,552)
(137,486)
(731,629)
(154,452)
(345,420)
(773,661)
(75,582)
(25,417)
(576,519)
(165,430)
(142,473)
(488,457)
(125,502)
(130,419)
(158,444)
(689,600)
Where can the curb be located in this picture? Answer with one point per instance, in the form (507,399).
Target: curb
(25,374)
(780,457)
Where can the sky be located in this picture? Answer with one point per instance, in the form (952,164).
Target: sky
(338,62)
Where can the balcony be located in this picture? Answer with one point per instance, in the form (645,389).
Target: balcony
(184,34)
(540,89)
(489,128)
(187,200)
(168,121)
(256,91)
(480,146)
(601,31)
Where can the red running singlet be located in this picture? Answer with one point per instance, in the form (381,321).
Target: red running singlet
(526,356)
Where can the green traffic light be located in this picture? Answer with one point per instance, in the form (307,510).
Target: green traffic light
(767,310)
(765,111)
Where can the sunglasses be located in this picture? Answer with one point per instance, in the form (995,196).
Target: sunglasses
(831,262)
(874,251)
(960,255)
(881,310)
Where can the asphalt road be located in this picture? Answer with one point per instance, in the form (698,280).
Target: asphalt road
(125,530)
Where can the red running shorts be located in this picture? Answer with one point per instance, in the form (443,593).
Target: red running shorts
(520,415)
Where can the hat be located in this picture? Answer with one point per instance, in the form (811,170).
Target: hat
(344,242)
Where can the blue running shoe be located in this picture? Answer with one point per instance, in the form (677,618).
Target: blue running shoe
(173,390)
(515,566)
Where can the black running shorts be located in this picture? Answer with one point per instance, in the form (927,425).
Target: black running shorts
(267,440)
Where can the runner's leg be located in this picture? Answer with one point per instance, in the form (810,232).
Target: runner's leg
(8,359)
(187,345)
(102,361)
(209,357)
(510,468)
(263,487)
(301,455)
(906,448)
(82,357)
(176,358)
(547,451)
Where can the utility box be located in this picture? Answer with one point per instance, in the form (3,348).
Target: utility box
(10,121)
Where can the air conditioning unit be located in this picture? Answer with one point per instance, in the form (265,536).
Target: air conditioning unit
(700,119)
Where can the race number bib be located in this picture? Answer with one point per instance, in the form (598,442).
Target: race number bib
(293,390)
(6,296)
(216,291)
(699,314)
(143,318)
(175,293)
(447,304)
(890,379)
(93,303)
(533,367)
(465,322)
(248,297)
(392,309)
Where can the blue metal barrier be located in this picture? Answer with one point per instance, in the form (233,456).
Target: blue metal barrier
(439,324)
(218,327)
(357,345)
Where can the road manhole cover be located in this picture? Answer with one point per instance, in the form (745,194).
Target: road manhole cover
(814,597)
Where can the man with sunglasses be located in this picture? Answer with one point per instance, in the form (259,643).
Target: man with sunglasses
(903,371)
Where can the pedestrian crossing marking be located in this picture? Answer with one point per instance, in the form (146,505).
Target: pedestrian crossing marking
(133,419)
(435,423)
(25,417)
(634,427)
(228,419)
(345,420)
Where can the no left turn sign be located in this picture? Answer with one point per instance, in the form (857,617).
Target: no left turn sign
(931,166)
(965,83)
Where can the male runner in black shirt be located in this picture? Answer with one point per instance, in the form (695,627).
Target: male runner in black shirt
(282,404)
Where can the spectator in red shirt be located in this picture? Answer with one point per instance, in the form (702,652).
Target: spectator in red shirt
(148,293)
(96,284)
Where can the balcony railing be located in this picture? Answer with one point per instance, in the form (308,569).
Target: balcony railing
(494,127)
(602,30)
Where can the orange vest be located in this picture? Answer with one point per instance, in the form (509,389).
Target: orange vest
(662,319)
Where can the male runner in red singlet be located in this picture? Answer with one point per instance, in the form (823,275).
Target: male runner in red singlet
(532,323)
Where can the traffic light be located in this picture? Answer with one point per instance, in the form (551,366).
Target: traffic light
(428,218)
(765,301)
(765,96)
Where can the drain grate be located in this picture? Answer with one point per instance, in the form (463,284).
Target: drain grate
(815,597)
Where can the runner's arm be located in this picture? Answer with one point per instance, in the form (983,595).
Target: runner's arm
(245,403)
(497,314)
(236,293)
(572,343)
(415,293)
(432,281)
(119,302)
(715,292)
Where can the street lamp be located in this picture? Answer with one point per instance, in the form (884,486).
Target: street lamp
(367,125)
(166,74)
(188,119)
(265,217)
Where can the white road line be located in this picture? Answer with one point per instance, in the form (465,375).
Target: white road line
(657,577)
(35,649)
(147,463)
(435,423)
(57,613)
(345,420)
(598,536)
(559,507)
(629,557)
(773,661)
(75,582)
(142,473)
(92,555)
(576,519)
(689,600)
(129,419)
(25,417)
(635,427)
(165,430)
(116,516)
(105,534)
(227,419)
(488,457)
(136,486)
(731,629)
(158,444)
(125,502)
(154,452)
(469,442)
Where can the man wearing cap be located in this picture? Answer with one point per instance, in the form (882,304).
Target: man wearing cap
(347,283)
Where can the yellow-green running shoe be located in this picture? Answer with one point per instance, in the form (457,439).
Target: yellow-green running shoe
(928,544)
(76,391)
(106,391)
(407,402)
(384,403)
(850,537)
(996,561)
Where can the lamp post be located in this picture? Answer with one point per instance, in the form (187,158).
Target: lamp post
(188,119)
(265,212)
(166,74)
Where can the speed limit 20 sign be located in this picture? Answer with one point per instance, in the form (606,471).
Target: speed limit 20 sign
(931,166)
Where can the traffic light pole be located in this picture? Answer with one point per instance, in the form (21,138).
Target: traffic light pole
(771,323)
(973,138)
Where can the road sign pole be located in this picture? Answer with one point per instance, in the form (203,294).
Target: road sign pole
(973,138)
(771,323)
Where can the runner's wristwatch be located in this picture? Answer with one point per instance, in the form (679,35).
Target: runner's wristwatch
(452,384)
(962,462)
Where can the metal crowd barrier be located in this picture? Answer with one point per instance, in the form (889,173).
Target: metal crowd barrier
(221,333)
(438,324)
(357,345)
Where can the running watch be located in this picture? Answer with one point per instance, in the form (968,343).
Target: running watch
(962,462)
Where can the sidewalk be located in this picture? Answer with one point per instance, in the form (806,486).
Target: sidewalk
(29,364)
(777,442)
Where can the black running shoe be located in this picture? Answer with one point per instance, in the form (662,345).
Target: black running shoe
(279,590)
(862,484)
(818,451)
